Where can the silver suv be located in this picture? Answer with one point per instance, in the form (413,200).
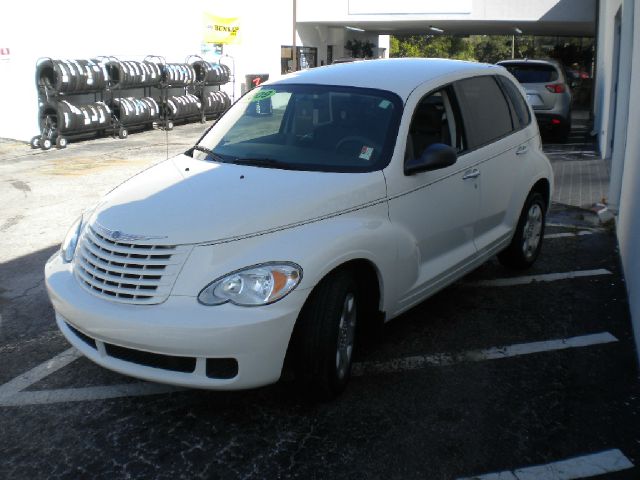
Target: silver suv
(548,92)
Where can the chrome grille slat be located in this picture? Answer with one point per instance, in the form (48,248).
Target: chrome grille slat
(109,276)
(127,272)
(126,258)
(129,248)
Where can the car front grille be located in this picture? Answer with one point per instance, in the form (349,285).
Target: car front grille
(127,272)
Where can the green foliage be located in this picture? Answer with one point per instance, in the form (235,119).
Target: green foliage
(359,48)
(493,48)
(432,46)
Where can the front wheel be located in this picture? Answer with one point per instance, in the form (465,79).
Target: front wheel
(526,244)
(325,336)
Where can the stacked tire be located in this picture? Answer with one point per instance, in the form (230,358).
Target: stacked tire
(181,107)
(215,103)
(211,73)
(132,110)
(71,76)
(132,74)
(178,74)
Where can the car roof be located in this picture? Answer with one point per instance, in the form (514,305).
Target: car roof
(398,75)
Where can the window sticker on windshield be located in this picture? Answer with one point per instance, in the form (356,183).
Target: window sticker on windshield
(262,95)
(365,153)
(384,104)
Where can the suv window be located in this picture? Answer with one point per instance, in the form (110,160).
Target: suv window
(520,108)
(484,108)
(433,121)
(532,72)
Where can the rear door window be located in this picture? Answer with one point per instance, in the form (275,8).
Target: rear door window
(484,108)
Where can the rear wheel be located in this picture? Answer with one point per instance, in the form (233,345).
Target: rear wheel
(325,336)
(35,142)
(525,246)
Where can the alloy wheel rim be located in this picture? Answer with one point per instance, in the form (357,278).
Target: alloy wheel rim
(532,231)
(346,335)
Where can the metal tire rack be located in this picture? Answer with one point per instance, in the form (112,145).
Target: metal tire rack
(70,100)
(129,94)
(109,95)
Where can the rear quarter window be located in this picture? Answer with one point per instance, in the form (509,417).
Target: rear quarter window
(484,108)
(520,108)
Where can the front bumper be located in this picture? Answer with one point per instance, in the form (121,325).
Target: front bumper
(179,341)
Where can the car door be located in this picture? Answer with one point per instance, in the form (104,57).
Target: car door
(495,136)
(437,209)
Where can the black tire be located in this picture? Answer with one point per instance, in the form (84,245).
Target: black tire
(61,142)
(324,337)
(35,142)
(123,133)
(46,144)
(526,243)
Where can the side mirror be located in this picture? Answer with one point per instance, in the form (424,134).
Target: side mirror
(436,155)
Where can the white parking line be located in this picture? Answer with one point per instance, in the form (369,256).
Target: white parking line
(447,359)
(546,277)
(568,225)
(11,393)
(38,373)
(575,468)
(83,394)
(567,234)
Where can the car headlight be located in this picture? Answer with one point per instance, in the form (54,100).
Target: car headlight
(252,286)
(70,242)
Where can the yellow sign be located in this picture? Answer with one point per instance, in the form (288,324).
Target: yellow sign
(221,30)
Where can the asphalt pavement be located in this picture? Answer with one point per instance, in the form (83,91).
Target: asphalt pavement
(503,375)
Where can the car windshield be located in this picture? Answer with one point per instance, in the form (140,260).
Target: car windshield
(532,73)
(307,127)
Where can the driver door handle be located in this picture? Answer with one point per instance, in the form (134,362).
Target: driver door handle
(474,173)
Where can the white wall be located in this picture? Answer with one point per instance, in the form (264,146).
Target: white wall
(129,30)
(628,222)
(604,75)
(406,10)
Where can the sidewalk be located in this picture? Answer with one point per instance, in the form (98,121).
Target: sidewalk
(581,176)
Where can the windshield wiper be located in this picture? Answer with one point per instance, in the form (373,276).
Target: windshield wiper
(266,163)
(209,152)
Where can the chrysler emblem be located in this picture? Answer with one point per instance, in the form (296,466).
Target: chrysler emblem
(118,235)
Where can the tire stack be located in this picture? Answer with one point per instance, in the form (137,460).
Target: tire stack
(181,107)
(178,74)
(209,78)
(132,74)
(71,76)
(130,100)
(130,111)
(215,103)
(70,100)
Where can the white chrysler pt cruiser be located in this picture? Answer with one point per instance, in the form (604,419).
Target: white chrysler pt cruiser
(318,203)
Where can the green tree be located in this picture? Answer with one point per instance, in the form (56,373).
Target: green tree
(431,46)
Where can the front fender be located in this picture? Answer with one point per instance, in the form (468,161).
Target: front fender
(318,248)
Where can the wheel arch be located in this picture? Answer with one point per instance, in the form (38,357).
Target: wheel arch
(543,186)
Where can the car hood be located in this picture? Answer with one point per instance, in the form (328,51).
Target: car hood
(184,200)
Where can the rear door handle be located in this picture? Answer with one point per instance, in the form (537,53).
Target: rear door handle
(522,149)
(475,173)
